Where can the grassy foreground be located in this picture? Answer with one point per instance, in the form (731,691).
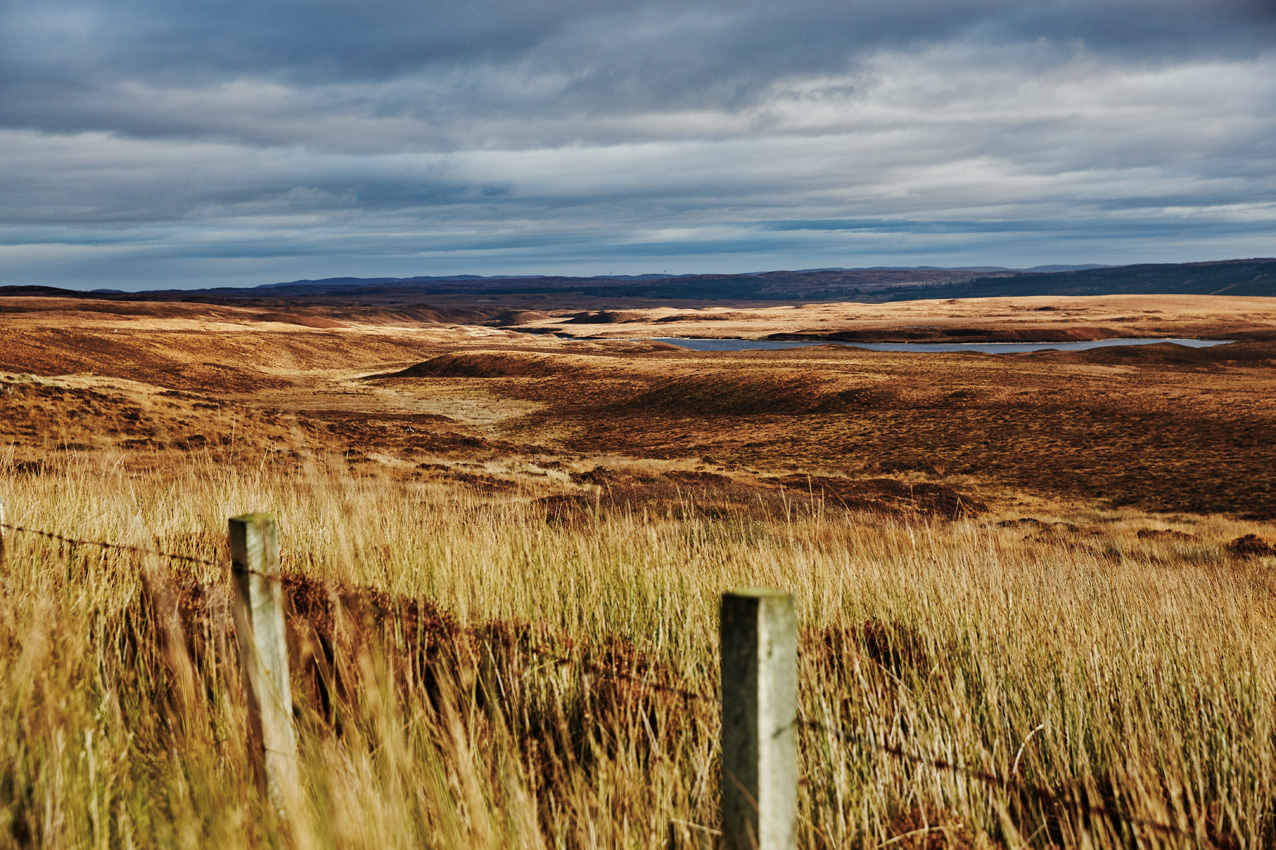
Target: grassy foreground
(448,652)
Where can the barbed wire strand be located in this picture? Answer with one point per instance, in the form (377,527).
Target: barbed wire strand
(102,544)
(137,550)
(1042,793)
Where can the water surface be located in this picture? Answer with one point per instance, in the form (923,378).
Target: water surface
(928,347)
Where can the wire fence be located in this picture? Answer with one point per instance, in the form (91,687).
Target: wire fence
(101,544)
(1041,793)
(125,547)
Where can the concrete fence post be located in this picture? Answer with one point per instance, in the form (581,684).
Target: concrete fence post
(263,651)
(759,779)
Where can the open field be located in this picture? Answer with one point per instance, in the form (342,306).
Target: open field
(1154,427)
(984,319)
(980,546)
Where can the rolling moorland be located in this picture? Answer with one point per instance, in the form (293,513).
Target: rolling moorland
(1054,567)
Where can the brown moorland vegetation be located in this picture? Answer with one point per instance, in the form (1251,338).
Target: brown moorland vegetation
(480,522)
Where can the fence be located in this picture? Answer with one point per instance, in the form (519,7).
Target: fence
(761,714)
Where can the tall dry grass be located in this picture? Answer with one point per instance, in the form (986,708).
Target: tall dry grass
(1129,677)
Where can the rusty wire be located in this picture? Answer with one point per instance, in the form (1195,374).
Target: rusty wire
(136,550)
(102,544)
(1040,792)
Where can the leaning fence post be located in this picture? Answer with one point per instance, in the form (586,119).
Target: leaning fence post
(263,650)
(759,715)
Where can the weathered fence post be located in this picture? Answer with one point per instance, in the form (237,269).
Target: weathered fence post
(263,650)
(759,720)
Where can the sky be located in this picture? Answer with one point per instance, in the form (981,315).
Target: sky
(192,143)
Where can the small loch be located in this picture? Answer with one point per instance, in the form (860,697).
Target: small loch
(928,347)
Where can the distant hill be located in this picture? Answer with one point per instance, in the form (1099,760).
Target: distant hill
(468,293)
(807,285)
(1255,277)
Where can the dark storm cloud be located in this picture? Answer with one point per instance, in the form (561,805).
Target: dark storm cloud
(86,64)
(488,133)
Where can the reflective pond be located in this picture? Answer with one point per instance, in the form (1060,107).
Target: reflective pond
(927,347)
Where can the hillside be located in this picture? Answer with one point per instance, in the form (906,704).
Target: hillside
(467,298)
(1255,277)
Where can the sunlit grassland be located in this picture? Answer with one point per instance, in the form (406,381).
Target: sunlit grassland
(1136,676)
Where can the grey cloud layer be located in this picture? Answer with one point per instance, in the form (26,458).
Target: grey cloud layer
(492,132)
(126,66)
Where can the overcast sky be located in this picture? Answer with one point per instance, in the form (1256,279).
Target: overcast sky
(183,143)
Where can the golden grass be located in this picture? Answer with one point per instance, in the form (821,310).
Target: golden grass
(1146,667)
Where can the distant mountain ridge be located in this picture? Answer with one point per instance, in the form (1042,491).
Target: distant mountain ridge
(1251,277)
(1254,277)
